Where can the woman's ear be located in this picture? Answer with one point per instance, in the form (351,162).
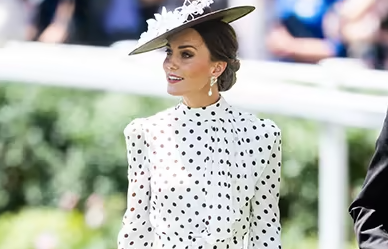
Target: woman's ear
(219,68)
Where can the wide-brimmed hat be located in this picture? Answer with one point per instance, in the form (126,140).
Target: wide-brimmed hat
(191,13)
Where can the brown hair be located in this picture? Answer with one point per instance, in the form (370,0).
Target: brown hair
(221,40)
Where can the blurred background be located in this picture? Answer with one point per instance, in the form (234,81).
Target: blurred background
(316,67)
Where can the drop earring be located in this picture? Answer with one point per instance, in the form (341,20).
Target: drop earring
(213,80)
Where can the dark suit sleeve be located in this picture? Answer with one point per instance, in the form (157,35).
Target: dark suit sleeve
(370,209)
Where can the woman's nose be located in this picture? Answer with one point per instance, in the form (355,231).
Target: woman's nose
(171,67)
(170,64)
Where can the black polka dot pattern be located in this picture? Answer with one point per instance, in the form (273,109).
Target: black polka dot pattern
(137,228)
(202,178)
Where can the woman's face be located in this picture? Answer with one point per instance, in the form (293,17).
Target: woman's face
(187,65)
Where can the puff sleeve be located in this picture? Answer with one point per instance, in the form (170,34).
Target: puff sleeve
(136,231)
(265,231)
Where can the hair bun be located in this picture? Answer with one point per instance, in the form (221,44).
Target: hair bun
(235,65)
(228,78)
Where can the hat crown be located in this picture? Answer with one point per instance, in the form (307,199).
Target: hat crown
(168,20)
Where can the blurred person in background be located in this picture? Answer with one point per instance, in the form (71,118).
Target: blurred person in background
(202,174)
(88,22)
(50,21)
(298,33)
(369,208)
(103,22)
(363,25)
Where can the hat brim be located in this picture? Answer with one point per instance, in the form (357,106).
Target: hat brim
(227,15)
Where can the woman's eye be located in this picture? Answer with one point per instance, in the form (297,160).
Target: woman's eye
(168,51)
(186,55)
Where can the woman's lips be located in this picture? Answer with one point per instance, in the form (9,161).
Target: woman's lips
(172,78)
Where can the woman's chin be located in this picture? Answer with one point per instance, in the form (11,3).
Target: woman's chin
(173,91)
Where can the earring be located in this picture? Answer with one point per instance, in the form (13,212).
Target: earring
(213,80)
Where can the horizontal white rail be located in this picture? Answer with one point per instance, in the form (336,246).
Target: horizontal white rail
(262,86)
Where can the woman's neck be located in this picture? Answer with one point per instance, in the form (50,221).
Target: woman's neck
(200,101)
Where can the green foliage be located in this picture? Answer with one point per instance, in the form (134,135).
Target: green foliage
(33,226)
(67,230)
(55,140)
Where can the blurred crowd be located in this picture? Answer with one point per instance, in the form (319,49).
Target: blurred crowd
(304,31)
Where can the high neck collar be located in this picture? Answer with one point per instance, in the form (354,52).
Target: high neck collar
(213,111)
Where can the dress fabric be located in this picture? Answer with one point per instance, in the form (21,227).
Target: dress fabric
(202,178)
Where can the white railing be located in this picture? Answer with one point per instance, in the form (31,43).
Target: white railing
(305,91)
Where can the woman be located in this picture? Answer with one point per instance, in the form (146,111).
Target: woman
(202,174)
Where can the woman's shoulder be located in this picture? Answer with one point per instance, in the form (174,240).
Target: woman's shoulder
(254,120)
(260,125)
(137,125)
(134,127)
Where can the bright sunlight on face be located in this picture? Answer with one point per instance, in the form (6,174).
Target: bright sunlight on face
(187,65)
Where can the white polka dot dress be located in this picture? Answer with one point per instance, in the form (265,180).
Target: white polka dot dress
(202,178)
